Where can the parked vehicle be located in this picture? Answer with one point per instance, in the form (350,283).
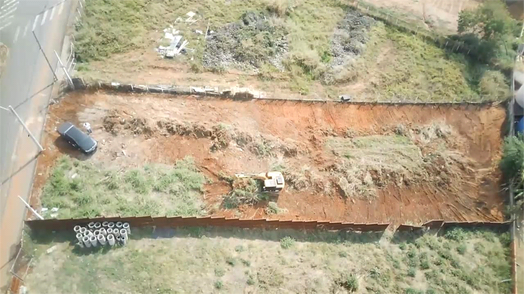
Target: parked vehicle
(77,138)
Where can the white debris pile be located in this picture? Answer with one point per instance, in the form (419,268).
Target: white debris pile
(102,234)
(177,43)
(50,213)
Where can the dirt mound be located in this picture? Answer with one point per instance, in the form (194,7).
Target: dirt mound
(246,44)
(221,135)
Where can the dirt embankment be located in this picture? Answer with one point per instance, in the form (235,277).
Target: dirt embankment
(409,163)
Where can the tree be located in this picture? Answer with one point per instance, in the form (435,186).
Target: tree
(489,29)
(490,21)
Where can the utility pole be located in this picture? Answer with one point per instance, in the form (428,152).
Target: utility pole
(30,208)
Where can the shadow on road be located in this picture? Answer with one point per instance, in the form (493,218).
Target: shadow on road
(20,168)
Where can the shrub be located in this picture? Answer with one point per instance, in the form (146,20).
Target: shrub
(412,272)
(219,284)
(220,272)
(349,282)
(457,234)
(287,242)
(512,162)
(493,84)
(461,249)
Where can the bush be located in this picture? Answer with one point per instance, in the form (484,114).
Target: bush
(349,282)
(219,285)
(461,249)
(456,234)
(512,162)
(287,242)
(493,84)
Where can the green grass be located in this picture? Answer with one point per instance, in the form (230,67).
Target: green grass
(193,261)
(413,69)
(83,189)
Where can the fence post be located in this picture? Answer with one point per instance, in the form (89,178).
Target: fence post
(65,71)
(26,129)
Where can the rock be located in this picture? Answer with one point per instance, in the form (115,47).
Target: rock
(50,250)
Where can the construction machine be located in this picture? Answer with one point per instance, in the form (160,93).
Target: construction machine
(271,181)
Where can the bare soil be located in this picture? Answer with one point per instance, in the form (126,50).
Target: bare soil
(227,137)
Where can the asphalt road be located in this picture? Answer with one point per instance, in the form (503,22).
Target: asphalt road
(21,78)
(26,86)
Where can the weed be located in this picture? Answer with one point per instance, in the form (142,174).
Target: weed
(245,191)
(287,242)
(413,291)
(231,261)
(250,280)
(239,248)
(342,254)
(412,272)
(461,249)
(272,208)
(220,272)
(349,282)
(245,262)
(95,191)
(456,234)
(219,285)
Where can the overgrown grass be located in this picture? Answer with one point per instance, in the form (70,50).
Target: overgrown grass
(83,189)
(203,260)
(402,66)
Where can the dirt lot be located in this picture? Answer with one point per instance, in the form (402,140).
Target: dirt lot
(253,261)
(406,164)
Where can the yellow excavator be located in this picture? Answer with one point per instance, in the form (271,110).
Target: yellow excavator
(271,181)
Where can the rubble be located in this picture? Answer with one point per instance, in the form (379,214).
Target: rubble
(348,42)
(177,43)
(246,44)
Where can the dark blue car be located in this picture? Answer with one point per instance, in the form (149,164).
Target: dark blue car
(77,138)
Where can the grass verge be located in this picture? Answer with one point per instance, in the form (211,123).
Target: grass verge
(83,189)
(235,261)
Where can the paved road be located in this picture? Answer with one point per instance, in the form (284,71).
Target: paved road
(25,84)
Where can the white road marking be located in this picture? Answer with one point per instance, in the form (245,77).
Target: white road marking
(26,28)
(52,13)
(6,19)
(44,17)
(36,20)
(10,1)
(7,4)
(8,11)
(17,32)
(5,26)
(61,8)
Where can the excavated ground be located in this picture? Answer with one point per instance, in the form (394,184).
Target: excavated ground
(342,162)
